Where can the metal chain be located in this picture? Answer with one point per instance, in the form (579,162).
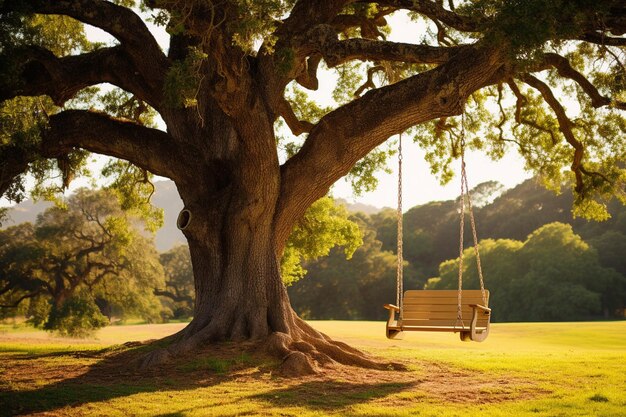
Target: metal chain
(400,266)
(465,193)
(476,250)
(459,310)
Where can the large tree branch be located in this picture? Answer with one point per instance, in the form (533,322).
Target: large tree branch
(324,39)
(174,297)
(39,72)
(433,10)
(121,22)
(602,39)
(565,125)
(150,149)
(564,69)
(349,133)
(22,298)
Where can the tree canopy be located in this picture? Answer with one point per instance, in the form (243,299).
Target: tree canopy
(543,77)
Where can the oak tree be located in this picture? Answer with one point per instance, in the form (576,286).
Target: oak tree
(77,264)
(544,77)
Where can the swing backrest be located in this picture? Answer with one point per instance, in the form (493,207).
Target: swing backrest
(438,308)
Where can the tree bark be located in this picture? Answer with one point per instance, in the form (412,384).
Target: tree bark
(231,231)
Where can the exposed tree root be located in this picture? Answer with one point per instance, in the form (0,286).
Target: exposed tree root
(304,352)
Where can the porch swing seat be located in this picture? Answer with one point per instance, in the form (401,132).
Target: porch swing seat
(437,311)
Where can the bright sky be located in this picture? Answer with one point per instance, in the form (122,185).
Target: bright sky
(420,186)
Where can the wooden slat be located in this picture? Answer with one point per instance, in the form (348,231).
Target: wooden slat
(423,315)
(437,329)
(442,300)
(443,297)
(443,293)
(440,322)
(416,308)
(435,307)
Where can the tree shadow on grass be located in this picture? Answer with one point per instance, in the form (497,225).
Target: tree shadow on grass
(75,383)
(113,375)
(331,395)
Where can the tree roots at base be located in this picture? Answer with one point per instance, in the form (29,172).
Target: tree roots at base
(306,354)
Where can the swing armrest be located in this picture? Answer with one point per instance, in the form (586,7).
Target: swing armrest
(391,307)
(479,307)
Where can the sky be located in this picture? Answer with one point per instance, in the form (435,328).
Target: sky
(420,186)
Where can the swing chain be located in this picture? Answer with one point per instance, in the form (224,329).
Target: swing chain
(459,312)
(465,194)
(399,268)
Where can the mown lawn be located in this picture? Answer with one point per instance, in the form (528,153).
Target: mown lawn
(538,369)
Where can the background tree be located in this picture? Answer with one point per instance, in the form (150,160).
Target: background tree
(552,276)
(178,288)
(233,68)
(77,259)
(324,225)
(350,289)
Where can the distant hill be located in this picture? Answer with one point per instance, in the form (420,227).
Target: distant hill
(26,211)
(359,207)
(514,214)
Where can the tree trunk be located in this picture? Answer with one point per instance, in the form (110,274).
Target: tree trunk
(239,291)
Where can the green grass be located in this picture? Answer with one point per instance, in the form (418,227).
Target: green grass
(522,369)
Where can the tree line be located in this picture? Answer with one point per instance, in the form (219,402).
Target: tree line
(539,263)
(79,267)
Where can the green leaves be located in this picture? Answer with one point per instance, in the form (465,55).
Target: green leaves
(183,80)
(75,256)
(553,275)
(525,26)
(324,226)
(134,188)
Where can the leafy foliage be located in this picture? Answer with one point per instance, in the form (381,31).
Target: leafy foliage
(324,226)
(76,317)
(554,275)
(80,255)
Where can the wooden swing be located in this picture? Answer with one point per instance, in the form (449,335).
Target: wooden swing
(440,310)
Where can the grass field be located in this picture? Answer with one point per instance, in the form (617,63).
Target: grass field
(539,369)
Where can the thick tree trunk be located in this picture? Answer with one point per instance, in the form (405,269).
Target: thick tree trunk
(231,189)
(239,292)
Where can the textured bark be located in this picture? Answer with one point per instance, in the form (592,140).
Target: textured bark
(232,240)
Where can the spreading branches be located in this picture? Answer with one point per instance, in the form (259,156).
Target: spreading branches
(345,135)
(564,69)
(324,40)
(565,126)
(39,72)
(121,22)
(434,11)
(148,148)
